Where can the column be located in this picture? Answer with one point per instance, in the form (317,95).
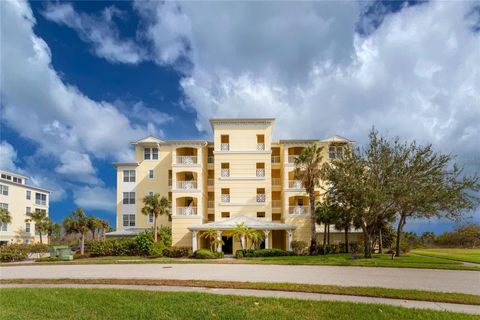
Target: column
(219,237)
(267,238)
(242,240)
(290,238)
(194,240)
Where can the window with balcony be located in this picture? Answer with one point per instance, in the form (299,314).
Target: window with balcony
(335,152)
(128,175)
(4,190)
(129,198)
(151,174)
(40,199)
(260,172)
(210,158)
(29,195)
(225,196)
(224,142)
(225,214)
(260,195)
(129,220)
(225,170)
(260,142)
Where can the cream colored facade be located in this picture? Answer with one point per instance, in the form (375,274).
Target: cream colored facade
(20,200)
(242,176)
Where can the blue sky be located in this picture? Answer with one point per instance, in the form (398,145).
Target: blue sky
(80,80)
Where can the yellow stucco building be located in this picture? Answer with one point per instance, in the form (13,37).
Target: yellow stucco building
(242,176)
(20,200)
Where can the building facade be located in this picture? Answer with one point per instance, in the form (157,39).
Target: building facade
(242,176)
(20,200)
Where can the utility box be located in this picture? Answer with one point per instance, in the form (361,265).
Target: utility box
(62,252)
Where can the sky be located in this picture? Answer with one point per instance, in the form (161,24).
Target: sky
(81,80)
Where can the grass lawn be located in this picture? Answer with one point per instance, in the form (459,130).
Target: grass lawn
(459,298)
(54,303)
(466,255)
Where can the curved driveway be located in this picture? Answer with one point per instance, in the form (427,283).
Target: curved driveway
(402,278)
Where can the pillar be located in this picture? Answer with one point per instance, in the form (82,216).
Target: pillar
(267,238)
(290,238)
(194,241)
(219,237)
(242,240)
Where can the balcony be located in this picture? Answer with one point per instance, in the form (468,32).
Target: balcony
(295,184)
(225,173)
(298,210)
(276,181)
(276,204)
(187,185)
(260,146)
(260,173)
(225,198)
(210,182)
(210,159)
(275,159)
(210,204)
(186,211)
(261,197)
(225,146)
(291,158)
(186,160)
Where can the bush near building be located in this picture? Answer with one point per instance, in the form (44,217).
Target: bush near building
(253,253)
(20,252)
(207,254)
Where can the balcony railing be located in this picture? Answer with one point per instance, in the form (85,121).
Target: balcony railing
(260,172)
(225,198)
(275,159)
(186,211)
(187,185)
(291,159)
(210,159)
(187,160)
(261,197)
(295,184)
(276,204)
(225,146)
(210,204)
(260,146)
(41,202)
(210,182)
(225,173)
(276,181)
(298,210)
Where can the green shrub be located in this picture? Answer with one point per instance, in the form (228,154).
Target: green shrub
(165,235)
(144,243)
(156,250)
(113,247)
(207,254)
(252,253)
(177,252)
(81,256)
(14,252)
(299,247)
(38,248)
(48,259)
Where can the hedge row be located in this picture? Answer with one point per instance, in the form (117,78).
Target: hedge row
(207,254)
(251,253)
(19,252)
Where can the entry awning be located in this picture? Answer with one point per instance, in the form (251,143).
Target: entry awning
(249,222)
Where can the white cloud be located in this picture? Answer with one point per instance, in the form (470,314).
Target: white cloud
(8,157)
(78,167)
(95,198)
(100,31)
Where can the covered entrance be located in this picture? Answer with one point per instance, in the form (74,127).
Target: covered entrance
(227,244)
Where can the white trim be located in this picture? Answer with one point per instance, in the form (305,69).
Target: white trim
(242,152)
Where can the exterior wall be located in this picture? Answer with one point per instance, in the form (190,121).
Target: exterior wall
(17,207)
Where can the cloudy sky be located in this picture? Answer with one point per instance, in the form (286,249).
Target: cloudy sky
(80,80)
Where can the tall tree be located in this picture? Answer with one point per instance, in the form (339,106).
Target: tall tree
(77,222)
(93,224)
(156,206)
(5,216)
(41,222)
(105,225)
(212,236)
(53,230)
(307,169)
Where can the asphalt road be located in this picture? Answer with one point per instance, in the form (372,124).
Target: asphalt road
(401,278)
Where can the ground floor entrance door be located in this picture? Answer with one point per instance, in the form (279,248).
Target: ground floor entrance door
(227,246)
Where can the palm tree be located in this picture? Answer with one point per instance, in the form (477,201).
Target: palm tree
(256,238)
(41,222)
(212,236)
(104,225)
(53,229)
(307,169)
(77,223)
(5,216)
(241,232)
(155,206)
(93,224)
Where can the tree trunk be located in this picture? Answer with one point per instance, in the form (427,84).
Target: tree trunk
(324,236)
(104,234)
(40,234)
(82,245)
(380,244)
(313,222)
(401,222)
(346,240)
(367,245)
(93,234)
(155,228)
(328,236)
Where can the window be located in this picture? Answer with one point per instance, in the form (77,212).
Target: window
(155,153)
(150,174)
(17,180)
(40,210)
(150,218)
(260,214)
(3,226)
(27,227)
(41,199)
(4,206)
(26,241)
(150,153)
(29,195)
(260,169)
(4,190)
(146,154)
(128,175)
(28,211)
(129,220)
(6,177)
(260,195)
(150,193)
(129,198)
(335,152)
(225,214)
(225,172)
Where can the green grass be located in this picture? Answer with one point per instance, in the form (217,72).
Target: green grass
(35,303)
(459,298)
(465,255)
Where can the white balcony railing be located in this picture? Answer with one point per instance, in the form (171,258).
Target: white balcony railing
(260,146)
(210,204)
(210,159)
(186,211)
(187,160)
(275,159)
(276,204)
(210,182)
(260,172)
(187,185)
(291,159)
(225,198)
(260,197)
(295,184)
(225,146)
(225,173)
(276,181)
(298,210)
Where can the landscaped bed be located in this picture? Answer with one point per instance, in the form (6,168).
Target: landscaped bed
(58,303)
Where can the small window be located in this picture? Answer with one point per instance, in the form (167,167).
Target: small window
(129,198)
(3,226)
(260,214)
(27,227)
(28,211)
(26,241)
(151,174)
(335,152)
(150,218)
(129,220)
(4,206)
(29,195)
(40,210)
(17,180)
(155,153)
(4,190)
(147,154)
(225,214)
(128,175)
(150,193)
